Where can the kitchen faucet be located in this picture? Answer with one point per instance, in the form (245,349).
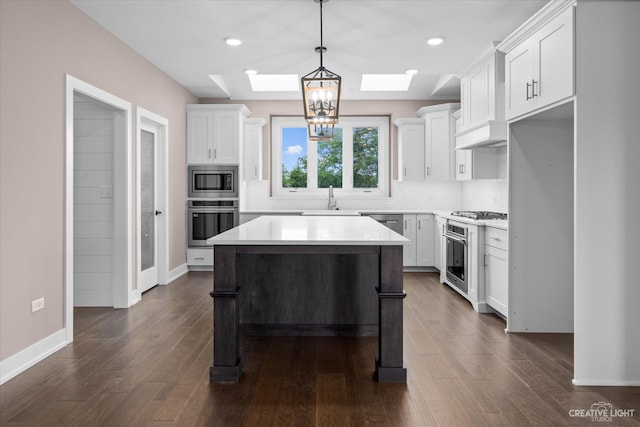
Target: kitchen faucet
(332,200)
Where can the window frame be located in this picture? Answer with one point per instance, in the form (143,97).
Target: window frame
(347,123)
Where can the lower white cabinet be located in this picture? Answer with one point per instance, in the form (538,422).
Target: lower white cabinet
(496,269)
(202,257)
(420,230)
(409,231)
(438,244)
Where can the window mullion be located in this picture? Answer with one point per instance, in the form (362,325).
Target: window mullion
(347,158)
(312,165)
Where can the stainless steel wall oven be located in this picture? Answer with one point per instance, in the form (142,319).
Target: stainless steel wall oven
(457,261)
(207,218)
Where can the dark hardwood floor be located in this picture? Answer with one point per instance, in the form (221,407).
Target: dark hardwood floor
(149,366)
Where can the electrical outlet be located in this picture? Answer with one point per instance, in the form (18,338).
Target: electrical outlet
(37,305)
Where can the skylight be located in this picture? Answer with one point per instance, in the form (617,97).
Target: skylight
(385,82)
(274,82)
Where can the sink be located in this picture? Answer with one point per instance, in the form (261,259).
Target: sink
(326,212)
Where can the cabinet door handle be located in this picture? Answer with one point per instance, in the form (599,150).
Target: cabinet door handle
(419,227)
(533,89)
(405,224)
(496,238)
(256,171)
(428,170)
(215,153)
(405,171)
(528,86)
(209,152)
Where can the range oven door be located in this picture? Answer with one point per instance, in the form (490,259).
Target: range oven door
(457,261)
(205,223)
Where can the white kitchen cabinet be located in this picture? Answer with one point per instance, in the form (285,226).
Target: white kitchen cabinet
(482,91)
(409,231)
(419,229)
(214,133)
(496,269)
(425,255)
(539,71)
(253,161)
(482,98)
(438,243)
(200,257)
(439,141)
(410,149)
(479,163)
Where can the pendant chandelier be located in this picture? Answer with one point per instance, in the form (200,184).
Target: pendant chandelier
(321,96)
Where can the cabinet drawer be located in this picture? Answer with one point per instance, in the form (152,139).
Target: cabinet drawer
(200,256)
(496,237)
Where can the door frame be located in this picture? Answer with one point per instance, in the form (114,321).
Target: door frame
(162,151)
(123,295)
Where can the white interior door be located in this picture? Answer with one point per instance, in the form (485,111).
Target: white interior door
(149,210)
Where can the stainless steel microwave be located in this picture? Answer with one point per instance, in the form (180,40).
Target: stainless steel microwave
(212,181)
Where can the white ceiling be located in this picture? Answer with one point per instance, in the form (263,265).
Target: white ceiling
(185,39)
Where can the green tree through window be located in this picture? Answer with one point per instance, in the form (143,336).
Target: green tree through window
(365,157)
(330,161)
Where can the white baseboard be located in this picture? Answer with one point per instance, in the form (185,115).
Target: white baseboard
(31,355)
(606,383)
(177,272)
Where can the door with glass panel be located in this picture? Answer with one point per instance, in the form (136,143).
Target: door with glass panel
(149,212)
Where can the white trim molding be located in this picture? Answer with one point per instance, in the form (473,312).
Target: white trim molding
(145,116)
(24,359)
(176,273)
(124,296)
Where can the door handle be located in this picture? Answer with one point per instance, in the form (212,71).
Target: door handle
(158,212)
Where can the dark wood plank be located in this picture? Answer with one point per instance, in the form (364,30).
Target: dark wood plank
(149,365)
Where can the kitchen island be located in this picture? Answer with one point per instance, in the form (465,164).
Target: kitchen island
(308,274)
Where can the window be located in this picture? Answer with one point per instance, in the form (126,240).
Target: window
(354,162)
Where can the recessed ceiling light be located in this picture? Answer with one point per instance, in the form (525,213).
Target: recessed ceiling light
(274,82)
(385,82)
(250,72)
(411,71)
(232,41)
(435,41)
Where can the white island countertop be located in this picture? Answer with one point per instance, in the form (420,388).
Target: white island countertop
(310,230)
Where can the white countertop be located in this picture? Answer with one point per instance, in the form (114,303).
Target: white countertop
(310,230)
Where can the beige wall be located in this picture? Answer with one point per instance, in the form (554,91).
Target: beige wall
(40,42)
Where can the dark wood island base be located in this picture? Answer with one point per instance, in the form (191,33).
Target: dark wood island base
(231,263)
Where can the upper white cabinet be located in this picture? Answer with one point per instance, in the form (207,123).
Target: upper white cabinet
(439,141)
(214,133)
(252,165)
(477,163)
(410,149)
(539,61)
(482,98)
